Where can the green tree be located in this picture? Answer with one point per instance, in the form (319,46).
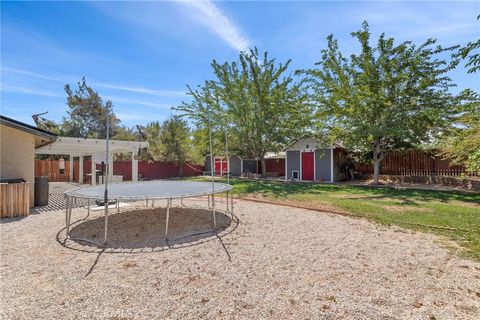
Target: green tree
(461,142)
(386,98)
(254,103)
(124,133)
(471,52)
(46,124)
(87,114)
(171,141)
(209,117)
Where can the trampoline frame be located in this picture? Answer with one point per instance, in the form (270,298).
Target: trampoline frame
(70,198)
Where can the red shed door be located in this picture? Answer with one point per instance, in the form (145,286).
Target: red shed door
(307,166)
(221,166)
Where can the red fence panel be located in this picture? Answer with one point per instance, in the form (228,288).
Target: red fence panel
(276,166)
(150,170)
(123,168)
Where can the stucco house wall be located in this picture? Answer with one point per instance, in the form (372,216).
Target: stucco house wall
(17,156)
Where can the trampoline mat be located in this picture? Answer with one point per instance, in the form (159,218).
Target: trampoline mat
(165,189)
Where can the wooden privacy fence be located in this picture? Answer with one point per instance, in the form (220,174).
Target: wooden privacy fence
(147,170)
(50,169)
(14,199)
(415,163)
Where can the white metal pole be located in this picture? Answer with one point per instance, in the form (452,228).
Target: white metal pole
(106,181)
(228,159)
(212,167)
(212,161)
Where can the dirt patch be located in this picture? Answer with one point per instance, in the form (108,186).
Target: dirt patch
(311,204)
(279,262)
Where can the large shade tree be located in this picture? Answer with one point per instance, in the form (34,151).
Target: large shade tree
(86,116)
(254,103)
(87,113)
(388,97)
(461,141)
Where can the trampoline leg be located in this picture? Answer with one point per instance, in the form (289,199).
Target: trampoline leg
(167,216)
(146,205)
(181,201)
(88,208)
(153,203)
(118,205)
(213,212)
(228,209)
(106,224)
(67,218)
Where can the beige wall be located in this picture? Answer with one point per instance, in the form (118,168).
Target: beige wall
(17,156)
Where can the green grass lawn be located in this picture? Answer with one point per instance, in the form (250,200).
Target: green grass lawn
(402,207)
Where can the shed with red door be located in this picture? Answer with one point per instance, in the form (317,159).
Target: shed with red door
(240,167)
(310,160)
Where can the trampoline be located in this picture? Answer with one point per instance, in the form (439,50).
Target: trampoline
(147,191)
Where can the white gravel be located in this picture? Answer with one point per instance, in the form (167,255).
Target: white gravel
(285,264)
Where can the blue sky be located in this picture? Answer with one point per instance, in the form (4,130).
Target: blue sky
(141,55)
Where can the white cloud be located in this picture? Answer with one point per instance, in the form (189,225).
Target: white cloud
(126,88)
(118,100)
(208,14)
(139,116)
(32,74)
(26,90)
(153,92)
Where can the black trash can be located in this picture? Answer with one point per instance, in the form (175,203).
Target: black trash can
(41,191)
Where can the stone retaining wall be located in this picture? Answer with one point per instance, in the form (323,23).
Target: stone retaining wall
(471,184)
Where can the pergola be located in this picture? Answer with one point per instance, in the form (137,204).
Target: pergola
(79,147)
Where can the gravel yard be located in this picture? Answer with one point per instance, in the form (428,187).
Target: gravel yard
(274,262)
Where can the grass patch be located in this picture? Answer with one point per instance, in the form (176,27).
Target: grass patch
(401,207)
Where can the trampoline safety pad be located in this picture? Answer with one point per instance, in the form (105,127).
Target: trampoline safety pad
(150,190)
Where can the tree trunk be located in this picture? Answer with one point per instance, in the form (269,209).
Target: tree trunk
(377,158)
(376,170)
(263,161)
(180,169)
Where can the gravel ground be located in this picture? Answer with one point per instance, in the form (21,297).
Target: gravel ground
(272,262)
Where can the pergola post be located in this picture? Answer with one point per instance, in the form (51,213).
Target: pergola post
(70,178)
(80,169)
(134,166)
(93,171)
